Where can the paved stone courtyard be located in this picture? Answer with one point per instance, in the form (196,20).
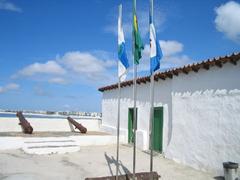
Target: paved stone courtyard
(88,162)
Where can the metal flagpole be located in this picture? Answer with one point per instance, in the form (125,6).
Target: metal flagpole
(151,124)
(134,119)
(134,102)
(118,126)
(118,115)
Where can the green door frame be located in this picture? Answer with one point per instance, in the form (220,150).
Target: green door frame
(158,129)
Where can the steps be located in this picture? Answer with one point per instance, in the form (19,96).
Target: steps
(50,145)
(56,143)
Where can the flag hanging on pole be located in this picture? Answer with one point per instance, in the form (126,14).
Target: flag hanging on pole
(155,50)
(155,57)
(138,44)
(123,64)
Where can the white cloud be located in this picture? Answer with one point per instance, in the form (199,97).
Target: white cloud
(169,62)
(50,67)
(57,80)
(9,87)
(97,67)
(171,47)
(5,5)
(87,65)
(227,20)
(83,62)
(78,67)
(173,56)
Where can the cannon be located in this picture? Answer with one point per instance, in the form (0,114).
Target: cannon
(77,125)
(26,126)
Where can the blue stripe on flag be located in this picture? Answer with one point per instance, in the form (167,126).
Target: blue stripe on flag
(122,55)
(155,61)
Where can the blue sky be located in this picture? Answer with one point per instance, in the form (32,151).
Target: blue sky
(54,55)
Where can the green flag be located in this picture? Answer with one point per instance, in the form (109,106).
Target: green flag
(137,41)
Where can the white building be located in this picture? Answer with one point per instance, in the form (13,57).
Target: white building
(197,112)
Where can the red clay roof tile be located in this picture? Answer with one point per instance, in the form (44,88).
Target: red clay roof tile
(216,61)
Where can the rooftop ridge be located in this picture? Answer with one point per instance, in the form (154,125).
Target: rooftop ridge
(218,61)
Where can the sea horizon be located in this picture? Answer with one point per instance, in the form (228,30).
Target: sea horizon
(54,116)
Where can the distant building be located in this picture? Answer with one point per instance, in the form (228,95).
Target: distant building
(50,112)
(197,112)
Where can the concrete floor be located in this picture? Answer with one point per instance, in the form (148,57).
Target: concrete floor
(88,162)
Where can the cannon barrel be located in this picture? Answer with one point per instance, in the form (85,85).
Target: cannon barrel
(26,126)
(77,125)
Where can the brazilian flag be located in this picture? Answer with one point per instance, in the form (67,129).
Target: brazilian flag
(137,41)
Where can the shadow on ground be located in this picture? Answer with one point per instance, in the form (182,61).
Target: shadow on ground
(112,161)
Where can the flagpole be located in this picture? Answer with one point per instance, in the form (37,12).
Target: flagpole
(134,119)
(118,114)
(118,126)
(151,124)
(134,103)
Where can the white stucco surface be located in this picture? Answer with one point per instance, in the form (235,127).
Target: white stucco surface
(47,124)
(201,116)
(48,145)
(206,114)
(43,145)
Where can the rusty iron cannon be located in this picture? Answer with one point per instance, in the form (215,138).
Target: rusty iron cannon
(77,125)
(138,176)
(26,126)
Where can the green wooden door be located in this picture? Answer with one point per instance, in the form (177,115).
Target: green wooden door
(158,129)
(130,125)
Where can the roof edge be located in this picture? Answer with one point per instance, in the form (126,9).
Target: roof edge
(207,64)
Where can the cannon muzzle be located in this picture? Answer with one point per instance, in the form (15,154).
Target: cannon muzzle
(77,125)
(26,126)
